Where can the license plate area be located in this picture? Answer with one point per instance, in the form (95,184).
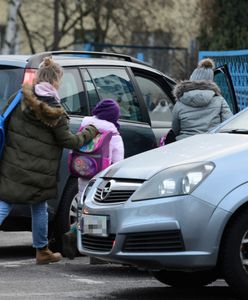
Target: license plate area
(95,225)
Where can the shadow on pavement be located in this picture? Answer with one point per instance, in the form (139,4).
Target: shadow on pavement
(120,271)
(168,293)
(7,252)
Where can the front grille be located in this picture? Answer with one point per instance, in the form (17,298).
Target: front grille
(98,243)
(114,196)
(115,191)
(158,241)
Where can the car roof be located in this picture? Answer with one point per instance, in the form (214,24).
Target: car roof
(14,60)
(65,60)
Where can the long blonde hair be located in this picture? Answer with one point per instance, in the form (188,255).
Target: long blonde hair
(49,71)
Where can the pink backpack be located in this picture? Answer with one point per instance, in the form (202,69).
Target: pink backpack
(92,157)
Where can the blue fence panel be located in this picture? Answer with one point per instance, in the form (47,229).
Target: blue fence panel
(237,62)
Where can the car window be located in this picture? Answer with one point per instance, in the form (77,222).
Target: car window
(221,81)
(158,103)
(71,91)
(114,83)
(10,82)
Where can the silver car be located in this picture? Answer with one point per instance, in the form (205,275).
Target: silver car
(180,211)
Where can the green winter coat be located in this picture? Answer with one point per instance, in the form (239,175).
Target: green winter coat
(37,132)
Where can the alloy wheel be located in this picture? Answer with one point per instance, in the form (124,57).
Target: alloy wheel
(73,210)
(244,251)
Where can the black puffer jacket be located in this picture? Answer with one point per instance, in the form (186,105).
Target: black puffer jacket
(37,131)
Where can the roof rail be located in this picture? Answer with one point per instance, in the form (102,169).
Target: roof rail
(36,59)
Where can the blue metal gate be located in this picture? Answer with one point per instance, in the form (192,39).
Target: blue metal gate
(237,62)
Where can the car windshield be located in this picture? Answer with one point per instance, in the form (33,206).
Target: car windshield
(238,124)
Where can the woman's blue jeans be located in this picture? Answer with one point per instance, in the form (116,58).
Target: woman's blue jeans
(39,221)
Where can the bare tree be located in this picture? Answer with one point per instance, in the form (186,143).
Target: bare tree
(11,30)
(56,32)
(54,26)
(63,24)
(107,21)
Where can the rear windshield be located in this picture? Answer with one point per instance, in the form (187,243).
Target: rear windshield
(10,82)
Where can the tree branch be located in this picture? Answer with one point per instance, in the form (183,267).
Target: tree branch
(28,34)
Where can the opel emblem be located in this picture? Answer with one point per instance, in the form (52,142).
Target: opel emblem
(106,191)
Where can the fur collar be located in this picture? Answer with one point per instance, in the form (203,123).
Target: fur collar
(186,86)
(49,115)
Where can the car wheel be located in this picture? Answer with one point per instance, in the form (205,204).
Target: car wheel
(66,215)
(234,255)
(180,279)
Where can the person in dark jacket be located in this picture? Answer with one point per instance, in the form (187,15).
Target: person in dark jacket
(200,106)
(37,132)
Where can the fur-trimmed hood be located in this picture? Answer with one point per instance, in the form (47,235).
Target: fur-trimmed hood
(47,114)
(196,93)
(187,85)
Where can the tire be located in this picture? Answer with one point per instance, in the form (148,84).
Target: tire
(66,215)
(180,279)
(233,254)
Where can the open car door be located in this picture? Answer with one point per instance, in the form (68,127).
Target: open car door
(223,79)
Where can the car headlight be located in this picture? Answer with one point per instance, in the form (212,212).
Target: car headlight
(86,192)
(174,181)
(82,199)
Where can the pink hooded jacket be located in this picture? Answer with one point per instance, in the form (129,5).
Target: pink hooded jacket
(116,149)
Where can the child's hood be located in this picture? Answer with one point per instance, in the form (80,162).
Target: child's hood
(100,124)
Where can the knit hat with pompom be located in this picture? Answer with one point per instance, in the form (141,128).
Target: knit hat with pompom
(204,71)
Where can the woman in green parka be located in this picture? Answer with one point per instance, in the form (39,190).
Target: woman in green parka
(37,132)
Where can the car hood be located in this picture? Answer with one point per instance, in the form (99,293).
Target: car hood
(202,147)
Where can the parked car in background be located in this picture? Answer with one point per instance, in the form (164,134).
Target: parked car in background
(179,211)
(88,78)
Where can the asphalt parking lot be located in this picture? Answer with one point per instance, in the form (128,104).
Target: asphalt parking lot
(21,278)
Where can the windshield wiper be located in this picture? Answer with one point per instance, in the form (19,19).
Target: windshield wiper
(238,131)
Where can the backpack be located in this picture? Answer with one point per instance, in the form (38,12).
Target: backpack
(168,138)
(4,116)
(92,158)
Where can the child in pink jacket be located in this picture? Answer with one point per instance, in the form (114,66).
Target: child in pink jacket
(105,117)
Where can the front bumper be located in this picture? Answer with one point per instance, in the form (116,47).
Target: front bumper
(168,233)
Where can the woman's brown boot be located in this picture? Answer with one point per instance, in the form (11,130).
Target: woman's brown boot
(46,256)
